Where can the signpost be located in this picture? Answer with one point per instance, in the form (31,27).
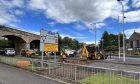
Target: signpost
(48,42)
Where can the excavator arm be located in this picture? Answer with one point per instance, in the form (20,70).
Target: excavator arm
(84,52)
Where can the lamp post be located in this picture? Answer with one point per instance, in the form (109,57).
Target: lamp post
(123,29)
(119,35)
(95,37)
(95,32)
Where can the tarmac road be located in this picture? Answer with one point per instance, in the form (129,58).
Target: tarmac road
(131,63)
(128,60)
(12,75)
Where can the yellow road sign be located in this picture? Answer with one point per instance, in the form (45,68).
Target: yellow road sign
(51,47)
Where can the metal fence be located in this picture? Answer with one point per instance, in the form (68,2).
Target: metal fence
(82,74)
(86,74)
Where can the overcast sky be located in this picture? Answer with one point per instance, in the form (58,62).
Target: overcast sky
(72,18)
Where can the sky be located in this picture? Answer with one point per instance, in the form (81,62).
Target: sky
(76,19)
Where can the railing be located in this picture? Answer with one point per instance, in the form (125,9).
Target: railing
(87,74)
(75,73)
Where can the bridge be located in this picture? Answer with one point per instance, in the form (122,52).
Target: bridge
(21,39)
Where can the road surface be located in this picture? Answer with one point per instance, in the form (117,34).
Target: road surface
(131,64)
(12,75)
(128,60)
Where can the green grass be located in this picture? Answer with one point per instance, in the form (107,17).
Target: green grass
(52,56)
(102,78)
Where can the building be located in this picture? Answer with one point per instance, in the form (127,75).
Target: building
(133,42)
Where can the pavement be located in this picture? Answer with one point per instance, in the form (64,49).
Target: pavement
(13,75)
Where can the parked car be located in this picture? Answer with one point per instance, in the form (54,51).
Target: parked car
(28,52)
(9,52)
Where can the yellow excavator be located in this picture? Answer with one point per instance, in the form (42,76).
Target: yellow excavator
(90,52)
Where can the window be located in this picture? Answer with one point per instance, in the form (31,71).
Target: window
(131,44)
(138,43)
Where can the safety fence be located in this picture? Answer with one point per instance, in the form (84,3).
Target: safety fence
(82,74)
(87,74)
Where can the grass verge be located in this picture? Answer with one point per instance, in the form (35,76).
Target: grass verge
(104,78)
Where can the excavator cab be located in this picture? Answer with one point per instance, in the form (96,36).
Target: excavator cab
(90,52)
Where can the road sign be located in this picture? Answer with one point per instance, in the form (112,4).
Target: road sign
(49,37)
(51,47)
(50,41)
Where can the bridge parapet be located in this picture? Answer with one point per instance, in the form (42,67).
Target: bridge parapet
(12,30)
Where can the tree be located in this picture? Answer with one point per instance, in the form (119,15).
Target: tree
(76,45)
(5,43)
(59,42)
(110,41)
(121,40)
(69,43)
(106,40)
(114,39)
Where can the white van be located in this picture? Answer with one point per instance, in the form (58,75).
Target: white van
(69,52)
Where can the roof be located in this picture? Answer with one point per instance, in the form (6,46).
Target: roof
(135,36)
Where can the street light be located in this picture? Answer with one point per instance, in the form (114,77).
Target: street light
(123,28)
(119,35)
(95,36)
(95,32)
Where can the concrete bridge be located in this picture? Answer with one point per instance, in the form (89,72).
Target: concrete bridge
(21,39)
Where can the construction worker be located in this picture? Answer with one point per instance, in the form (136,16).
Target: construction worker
(64,57)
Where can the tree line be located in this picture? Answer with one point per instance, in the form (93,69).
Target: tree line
(5,43)
(69,43)
(109,42)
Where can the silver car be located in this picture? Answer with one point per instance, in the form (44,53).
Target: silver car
(9,52)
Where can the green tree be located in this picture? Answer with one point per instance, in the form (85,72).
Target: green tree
(59,42)
(110,41)
(121,40)
(106,40)
(5,43)
(69,43)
